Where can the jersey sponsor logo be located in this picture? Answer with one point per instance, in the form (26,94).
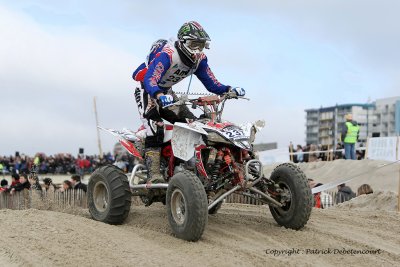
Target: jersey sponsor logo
(211,75)
(181,72)
(177,76)
(158,70)
(138,98)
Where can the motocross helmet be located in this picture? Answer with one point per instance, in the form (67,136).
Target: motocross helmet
(192,39)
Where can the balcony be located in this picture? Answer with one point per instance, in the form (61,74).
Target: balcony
(326,120)
(312,116)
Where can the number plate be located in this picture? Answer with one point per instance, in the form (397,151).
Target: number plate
(233,133)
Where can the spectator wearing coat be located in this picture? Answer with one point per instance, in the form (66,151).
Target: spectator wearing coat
(25,182)
(3,185)
(344,193)
(66,186)
(300,154)
(77,184)
(317,196)
(350,133)
(16,185)
(48,185)
(364,189)
(49,188)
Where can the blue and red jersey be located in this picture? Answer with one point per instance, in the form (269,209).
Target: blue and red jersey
(165,68)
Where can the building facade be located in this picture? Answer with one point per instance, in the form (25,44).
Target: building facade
(380,118)
(386,120)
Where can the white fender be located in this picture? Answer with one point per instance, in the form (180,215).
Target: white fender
(124,134)
(250,129)
(185,138)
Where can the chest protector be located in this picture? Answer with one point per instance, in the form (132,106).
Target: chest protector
(177,70)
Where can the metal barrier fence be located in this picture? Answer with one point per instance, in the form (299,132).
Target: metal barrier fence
(27,199)
(77,198)
(328,199)
(236,198)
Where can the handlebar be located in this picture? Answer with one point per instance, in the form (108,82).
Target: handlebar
(212,106)
(208,100)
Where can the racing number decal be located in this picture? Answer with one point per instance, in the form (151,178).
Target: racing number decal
(173,79)
(177,76)
(233,132)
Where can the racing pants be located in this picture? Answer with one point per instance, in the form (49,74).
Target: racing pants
(152,114)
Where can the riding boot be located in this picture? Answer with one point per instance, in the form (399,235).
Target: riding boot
(152,161)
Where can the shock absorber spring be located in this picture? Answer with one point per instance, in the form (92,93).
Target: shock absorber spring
(217,165)
(215,169)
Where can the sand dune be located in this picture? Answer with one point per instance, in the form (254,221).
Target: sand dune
(361,232)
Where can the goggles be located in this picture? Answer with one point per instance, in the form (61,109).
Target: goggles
(197,45)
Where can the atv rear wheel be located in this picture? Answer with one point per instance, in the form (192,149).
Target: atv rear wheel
(187,206)
(109,197)
(296,196)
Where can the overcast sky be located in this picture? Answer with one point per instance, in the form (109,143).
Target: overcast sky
(55,56)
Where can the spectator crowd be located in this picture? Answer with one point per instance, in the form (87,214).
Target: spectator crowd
(54,164)
(31,182)
(63,163)
(312,153)
(344,193)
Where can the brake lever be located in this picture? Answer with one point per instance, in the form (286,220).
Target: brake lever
(182,101)
(230,95)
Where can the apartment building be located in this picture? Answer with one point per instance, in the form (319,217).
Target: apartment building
(386,119)
(380,118)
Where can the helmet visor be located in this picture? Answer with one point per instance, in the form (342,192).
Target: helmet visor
(197,45)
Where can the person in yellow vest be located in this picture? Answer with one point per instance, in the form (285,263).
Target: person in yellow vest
(36,160)
(350,134)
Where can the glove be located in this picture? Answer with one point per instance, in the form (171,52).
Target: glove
(238,91)
(166,100)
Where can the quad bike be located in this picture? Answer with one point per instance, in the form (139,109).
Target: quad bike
(203,162)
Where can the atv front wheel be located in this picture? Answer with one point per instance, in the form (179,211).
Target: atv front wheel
(187,206)
(109,197)
(294,193)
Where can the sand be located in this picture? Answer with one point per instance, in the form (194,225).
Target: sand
(377,201)
(361,232)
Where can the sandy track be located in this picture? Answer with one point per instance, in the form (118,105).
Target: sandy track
(238,235)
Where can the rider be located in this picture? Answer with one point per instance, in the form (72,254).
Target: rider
(168,63)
